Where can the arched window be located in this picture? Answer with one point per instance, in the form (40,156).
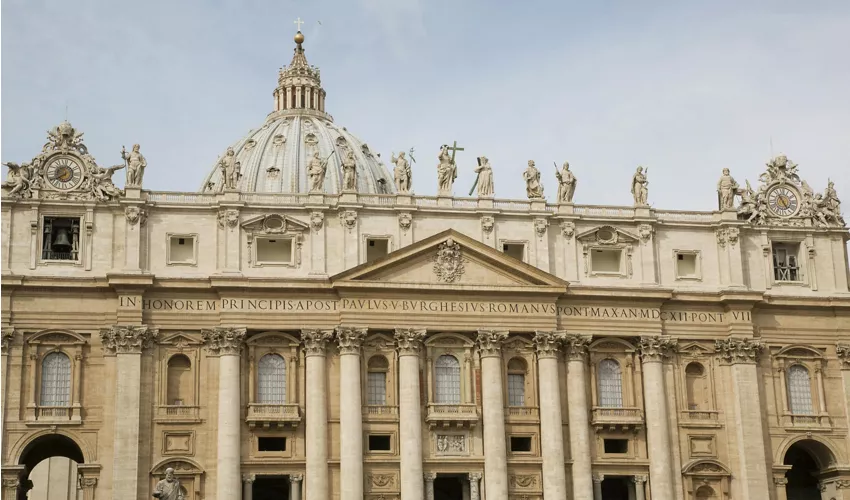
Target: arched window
(696,386)
(271,380)
(705,492)
(516,382)
(448,380)
(610,384)
(56,380)
(179,380)
(376,381)
(800,390)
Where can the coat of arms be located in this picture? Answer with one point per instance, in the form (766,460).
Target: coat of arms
(448,263)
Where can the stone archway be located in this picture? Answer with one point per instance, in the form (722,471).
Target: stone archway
(17,479)
(805,460)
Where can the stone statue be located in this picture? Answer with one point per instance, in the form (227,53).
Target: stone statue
(101,185)
(402,173)
(566,183)
(230,169)
(168,488)
(446,172)
(349,172)
(136,164)
(485,178)
(19,180)
(316,173)
(639,187)
(533,187)
(831,197)
(727,188)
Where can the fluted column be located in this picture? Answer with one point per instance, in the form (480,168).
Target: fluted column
(493,408)
(547,345)
(653,350)
(742,355)
(474,486)
(127,344)
(315,342)
(640,491)
(409,344)
(226,343)
(577,408)
(295,486)
(429,485)
(351,413)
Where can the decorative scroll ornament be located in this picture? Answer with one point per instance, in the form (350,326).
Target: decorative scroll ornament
(547,344)
(448,263)
(523,481)
(382,480)
(224,340)
(405,220)
(229,218)
(490,342)
(350,339)
(120,339)
(135,215)
(409,340)
(655,348)
(738,350)
(348,219)
(487,224)
(317,220)
(645,232)
(540,226)
(568,229)
(843,352)
(577,346)
(315,341)
(6,337)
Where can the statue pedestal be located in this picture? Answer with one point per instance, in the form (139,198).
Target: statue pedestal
(444,201)
(565,208)
(132,193)
(642,211)
(403,199)
(348,197)
(315,198)
(538,205)
(231,195)
(485,202)
(729,215)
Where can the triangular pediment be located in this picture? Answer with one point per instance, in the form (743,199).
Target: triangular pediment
(273,224)
(606,235)
(450,260)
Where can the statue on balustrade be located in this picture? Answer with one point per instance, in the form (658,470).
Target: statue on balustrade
(640,191)
(168,488)
(402,173)
(349,172)
(533,187)
(136,164)
(727,188)
(566,183)
(316,173)
(446,172)
(484,181)
(230,169)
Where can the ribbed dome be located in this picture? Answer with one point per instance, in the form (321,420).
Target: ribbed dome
(274,157)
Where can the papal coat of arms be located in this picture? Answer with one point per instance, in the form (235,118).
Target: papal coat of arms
(448,263)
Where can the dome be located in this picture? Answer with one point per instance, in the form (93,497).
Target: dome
(274,157)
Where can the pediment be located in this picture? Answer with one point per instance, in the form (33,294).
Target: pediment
(56,337)
(607,235)
(452,260)
(695,349)
(274,224)
(180,340)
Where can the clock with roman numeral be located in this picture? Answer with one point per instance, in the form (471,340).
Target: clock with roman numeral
(783,201)
(64,173)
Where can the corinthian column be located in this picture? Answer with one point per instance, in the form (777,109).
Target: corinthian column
(315,342)
(409,343)
(742,355)
(551,421)
(653,350)
(127,343)
(351,413)
(493,407)
(226,343)
(577,409)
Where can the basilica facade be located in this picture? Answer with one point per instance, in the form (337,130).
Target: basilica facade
(304,326)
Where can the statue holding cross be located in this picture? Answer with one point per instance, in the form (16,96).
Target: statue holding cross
(446,169)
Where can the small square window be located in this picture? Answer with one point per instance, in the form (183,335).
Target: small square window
(515,250)
(266,443)
(687,265)
(521,444)
(617,446)
(376,248)
(61,239)
(274,250)
(181,249)
(606,260)
(786,265)
(379,442)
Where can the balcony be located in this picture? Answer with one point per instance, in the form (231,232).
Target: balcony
(178,414)
(699,418)
(54,415)
(380,413)
(522,414)
(273,415)
(616,419)
(793,421)
(448,415)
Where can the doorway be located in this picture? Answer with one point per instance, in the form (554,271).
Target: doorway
(448,487)
(615,488)
(50,469)
(803,476)
(271,488)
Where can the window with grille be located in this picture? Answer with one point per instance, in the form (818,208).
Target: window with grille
(785,266)
(447,380)
(271,380)
(610,384)
(376,393)
(56,380)
(516,389)
(800,390)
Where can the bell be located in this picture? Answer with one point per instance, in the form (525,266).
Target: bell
(61,238)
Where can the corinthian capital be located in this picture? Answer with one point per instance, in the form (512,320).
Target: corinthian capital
(656,348)
(120,339)
(490,342)
(843,352)
(409,340)
(223,340)
(547,344)
(350,339)
(315,341)
(577,346)
(738,350)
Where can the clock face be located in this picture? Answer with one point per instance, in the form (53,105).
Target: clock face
(783,201)
(64,173)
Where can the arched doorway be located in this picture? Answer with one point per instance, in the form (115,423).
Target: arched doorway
(50,469)
(807,459)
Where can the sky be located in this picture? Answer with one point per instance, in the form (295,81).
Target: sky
(683,88)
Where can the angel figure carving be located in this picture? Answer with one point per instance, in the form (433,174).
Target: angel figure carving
(136,164)
(101,184)
(19,179)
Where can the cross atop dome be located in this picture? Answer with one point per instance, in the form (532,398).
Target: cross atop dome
(299,85)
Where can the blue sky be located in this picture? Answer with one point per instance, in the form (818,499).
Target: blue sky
(685,88)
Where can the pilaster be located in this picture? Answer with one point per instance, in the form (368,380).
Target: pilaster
(318,243)
(350,237)
(135,216)
(493,413)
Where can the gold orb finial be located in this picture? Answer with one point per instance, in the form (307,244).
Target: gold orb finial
(299,38)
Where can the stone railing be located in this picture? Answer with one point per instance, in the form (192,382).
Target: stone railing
(699,418)
(266,415)
(612,418)
(380,412)
(603,211)
(512,205)
(274,198)
(792,420)
(177,413)
(452,414)
(522,413)
(680,216)
(183,198)
(55,414)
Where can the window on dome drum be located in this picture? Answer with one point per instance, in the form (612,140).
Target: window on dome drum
(274,250)
(179,380)
(687,265)
(271,380)
(616,445)
(516,382)
(181,249)
(447,380)
(515,250)
(520,444)
(799,390)
(267,443)
(55,380)
(610,384)
(606,261)
(786,262)
(376,381)
(60,238)
(376,248)
(379,442)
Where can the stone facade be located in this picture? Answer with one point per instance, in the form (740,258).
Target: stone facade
(349,346)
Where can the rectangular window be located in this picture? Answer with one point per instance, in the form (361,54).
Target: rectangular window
(379,442)
(376,248)
(515,250)
(181,249)
(271,443)
(606,261)
(785,262)
(61,238)
(521,444)
(687,265)
(616,445)
(376,388)
(274,250)
(516,389)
